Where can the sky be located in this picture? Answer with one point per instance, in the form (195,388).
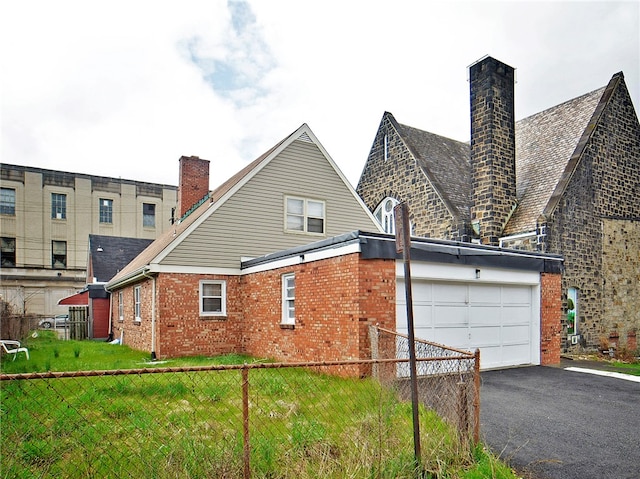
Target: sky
(125,88)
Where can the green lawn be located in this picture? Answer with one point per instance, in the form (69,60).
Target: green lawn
(302,424)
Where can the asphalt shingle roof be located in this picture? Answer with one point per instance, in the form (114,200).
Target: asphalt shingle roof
(116,252)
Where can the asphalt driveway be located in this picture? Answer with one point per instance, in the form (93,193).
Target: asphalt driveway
(549,423)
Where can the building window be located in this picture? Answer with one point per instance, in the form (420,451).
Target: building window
(120,305)
(8,201)
(58,206)
(288,298)
(59,254)
(149,215)
(384,215)
(572,312)
(213,298)
(106,211)
(137,304)
(8,252)
(304,215)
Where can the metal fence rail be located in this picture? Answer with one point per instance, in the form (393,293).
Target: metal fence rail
(302,420)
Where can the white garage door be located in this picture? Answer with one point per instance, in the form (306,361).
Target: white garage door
(497,319)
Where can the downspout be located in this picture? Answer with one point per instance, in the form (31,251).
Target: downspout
(110,338)
(153,314)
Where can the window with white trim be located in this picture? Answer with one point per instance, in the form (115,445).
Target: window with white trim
(288,298)
(385,216)
(213,301)
(304,215)
(137,305)
(120,305)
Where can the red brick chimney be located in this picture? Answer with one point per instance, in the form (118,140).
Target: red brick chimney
(493,147)
(193,184)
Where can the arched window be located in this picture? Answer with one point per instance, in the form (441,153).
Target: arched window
(384,214)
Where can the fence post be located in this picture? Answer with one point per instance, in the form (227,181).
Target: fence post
(245,421)
(476,397)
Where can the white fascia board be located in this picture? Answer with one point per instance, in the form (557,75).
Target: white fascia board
(465,273)
(158,268)
(304,258)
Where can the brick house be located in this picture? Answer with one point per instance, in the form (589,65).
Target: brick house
(269,264)
(564,181)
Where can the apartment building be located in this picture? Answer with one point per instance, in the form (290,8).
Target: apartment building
(46,217)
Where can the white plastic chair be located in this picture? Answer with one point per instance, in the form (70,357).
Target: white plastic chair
(13,347)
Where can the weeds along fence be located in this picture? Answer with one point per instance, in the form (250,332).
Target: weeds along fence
(448,379)
(260,420)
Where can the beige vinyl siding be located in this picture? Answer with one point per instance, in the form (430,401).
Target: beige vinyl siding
(251,222)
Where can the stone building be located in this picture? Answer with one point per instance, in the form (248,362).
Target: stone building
(563,181)
(46,217)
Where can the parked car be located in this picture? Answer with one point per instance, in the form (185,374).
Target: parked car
(58,321)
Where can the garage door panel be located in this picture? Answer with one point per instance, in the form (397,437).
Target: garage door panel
(450,293)
(485,336)
(515,333)
(450,315)
(516,295)
(454,337)
(484,294)
(484,315)
(516,354)
(517,314)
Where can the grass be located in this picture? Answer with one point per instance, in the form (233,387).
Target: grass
(302,424)
(628,368)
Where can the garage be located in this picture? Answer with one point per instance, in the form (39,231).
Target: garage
(497,311)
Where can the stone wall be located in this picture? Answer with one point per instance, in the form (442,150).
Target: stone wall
(621,273)
(493,147)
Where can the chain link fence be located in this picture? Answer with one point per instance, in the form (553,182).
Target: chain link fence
(262,420)
(448,379)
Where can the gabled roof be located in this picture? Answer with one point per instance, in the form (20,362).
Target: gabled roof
(109,254)
(544,144)
(548,144)
(445,162)
(162,246)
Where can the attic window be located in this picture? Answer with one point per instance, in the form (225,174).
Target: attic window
(304,215)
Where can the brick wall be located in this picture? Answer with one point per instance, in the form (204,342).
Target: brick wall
(335,302)
(550,318)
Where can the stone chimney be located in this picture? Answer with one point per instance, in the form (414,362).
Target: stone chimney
(193,184)
(493,147)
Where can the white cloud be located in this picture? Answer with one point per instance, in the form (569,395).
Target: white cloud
(125,88)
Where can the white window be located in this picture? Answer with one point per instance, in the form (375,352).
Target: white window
(137,304)
(121,305)
(288,299)
(384,215)
(58,206)
(7,201)
(304,215)
(213,300)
